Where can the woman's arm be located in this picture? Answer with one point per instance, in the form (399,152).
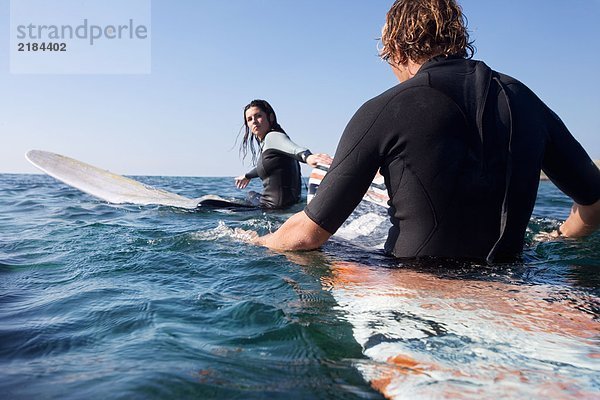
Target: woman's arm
(243,180)
(319,158)
(280,142)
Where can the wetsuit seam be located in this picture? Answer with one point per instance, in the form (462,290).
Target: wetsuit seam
(431,208)
(508,174)
(278,151)
(294,152)
(401,159)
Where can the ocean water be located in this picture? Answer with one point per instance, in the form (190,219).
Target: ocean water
(101,301)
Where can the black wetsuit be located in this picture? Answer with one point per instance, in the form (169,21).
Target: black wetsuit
(460,147)
(279,171)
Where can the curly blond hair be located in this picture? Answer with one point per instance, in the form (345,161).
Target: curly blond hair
(418,30)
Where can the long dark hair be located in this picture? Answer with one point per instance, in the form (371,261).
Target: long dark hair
(250,141)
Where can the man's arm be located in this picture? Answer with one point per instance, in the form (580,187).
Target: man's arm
(571,169)
(342,188)
(297,233)
(583,220)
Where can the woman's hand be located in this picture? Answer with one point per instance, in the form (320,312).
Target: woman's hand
(241,182)
(319,158)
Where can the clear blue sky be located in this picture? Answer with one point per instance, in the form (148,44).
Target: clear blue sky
(314,60)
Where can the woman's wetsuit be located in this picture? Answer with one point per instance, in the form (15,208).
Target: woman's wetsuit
(279,170)
(460,147)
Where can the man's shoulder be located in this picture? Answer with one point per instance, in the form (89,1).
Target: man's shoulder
(509,80)
(395,93)
(517,89)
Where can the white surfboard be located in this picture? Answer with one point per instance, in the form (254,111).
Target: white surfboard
(429,336)
(117,189)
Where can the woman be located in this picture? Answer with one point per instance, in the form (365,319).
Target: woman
(277,164)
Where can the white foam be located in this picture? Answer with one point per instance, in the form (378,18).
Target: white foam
(361,226)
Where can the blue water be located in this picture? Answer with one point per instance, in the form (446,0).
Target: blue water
(103,301)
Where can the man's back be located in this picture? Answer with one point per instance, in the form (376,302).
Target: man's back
(461,148)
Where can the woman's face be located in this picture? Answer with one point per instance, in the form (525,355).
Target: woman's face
(258,122)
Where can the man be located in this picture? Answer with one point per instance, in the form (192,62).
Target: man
(460,146)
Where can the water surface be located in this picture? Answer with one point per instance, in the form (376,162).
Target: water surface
(105,301)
